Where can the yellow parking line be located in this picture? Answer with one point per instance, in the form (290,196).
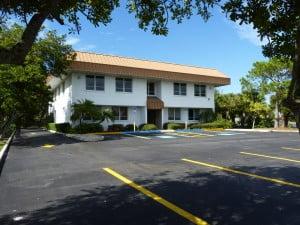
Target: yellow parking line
(47,146)
(295,149)
(274,180)
(270,157)
(155,197)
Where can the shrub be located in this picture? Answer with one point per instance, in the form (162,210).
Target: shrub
(129,127)
(220,123)
(60,127)
(195,126)
(116,127)
(149,127)
(174,126)
(141,126)
(87,128)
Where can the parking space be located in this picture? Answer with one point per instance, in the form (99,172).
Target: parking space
(164,178)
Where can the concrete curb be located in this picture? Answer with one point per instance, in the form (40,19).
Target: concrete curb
(81,137)
(4,151)
(263,130)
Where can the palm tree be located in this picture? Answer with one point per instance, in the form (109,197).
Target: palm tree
(87,109)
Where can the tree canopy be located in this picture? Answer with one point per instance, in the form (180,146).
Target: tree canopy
(24,94)
(149,14)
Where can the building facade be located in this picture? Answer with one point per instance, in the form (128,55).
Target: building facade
(138,91)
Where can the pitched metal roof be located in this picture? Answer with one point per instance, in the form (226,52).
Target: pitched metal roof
(117,65)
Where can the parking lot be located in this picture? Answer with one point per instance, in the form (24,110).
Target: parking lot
(170,178)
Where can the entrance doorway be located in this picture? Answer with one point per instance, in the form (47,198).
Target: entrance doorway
(154,117)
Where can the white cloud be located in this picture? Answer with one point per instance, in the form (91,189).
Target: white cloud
(87,47)
(247,32)
(72,40)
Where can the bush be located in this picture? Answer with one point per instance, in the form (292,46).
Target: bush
(266,123)
(149,127)
(129,127)
(220,123)
(141,126)
(116,127)
(174,126)
(87,128)
(60,127)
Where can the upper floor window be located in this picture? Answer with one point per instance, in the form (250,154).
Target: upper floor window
(199,90)
(194,114)
(123,85)
(120,113)
(150,88)
(94,82)
(179,89)
(174,114)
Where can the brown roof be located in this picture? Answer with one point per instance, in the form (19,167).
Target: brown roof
(116,65)
(154,103)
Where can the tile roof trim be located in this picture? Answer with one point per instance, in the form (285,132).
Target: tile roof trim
(88,67)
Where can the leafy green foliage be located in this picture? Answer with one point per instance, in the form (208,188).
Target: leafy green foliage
(150,14)
(60,127)
(86,109)
(149,126)
(87,128)
(130,127)
(24,95)
(174,126)
(219,123)
(116,127)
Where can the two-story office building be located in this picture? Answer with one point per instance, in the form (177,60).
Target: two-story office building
(139,91)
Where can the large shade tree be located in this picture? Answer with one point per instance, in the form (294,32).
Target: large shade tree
(150,14)
(24,93)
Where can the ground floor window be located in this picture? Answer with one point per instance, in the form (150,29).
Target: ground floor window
(194,114)
(121,113)
(174,114)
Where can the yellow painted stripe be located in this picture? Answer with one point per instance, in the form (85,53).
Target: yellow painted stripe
(295,149)
(270,157)
(47,146)
(274,180)
(155,197)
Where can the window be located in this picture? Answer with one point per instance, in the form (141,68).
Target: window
(174,114)
(123,85)
(150,88)
(120,113)
(94,82)
(199,90)
(63,87)
(194,114)
(179,89)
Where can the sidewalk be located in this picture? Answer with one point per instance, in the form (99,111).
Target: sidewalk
(264,130)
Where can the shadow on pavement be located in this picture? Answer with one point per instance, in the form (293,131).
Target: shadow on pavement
(216,197)
(39,137)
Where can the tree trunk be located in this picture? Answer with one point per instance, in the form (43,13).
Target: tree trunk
(293,99)
(253,123)
(276,124)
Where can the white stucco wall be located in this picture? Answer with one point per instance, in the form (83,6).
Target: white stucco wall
(110,96)
(75,89)
(62,103)
(189,100)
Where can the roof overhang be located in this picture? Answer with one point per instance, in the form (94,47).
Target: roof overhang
(88,67)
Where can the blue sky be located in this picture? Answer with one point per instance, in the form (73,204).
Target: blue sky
(218,43)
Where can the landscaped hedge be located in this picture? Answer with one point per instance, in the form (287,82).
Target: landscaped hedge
(174,126)
(148,127)
(87,128)
(221,123)
(60,127)
(116,127)
(129,127)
